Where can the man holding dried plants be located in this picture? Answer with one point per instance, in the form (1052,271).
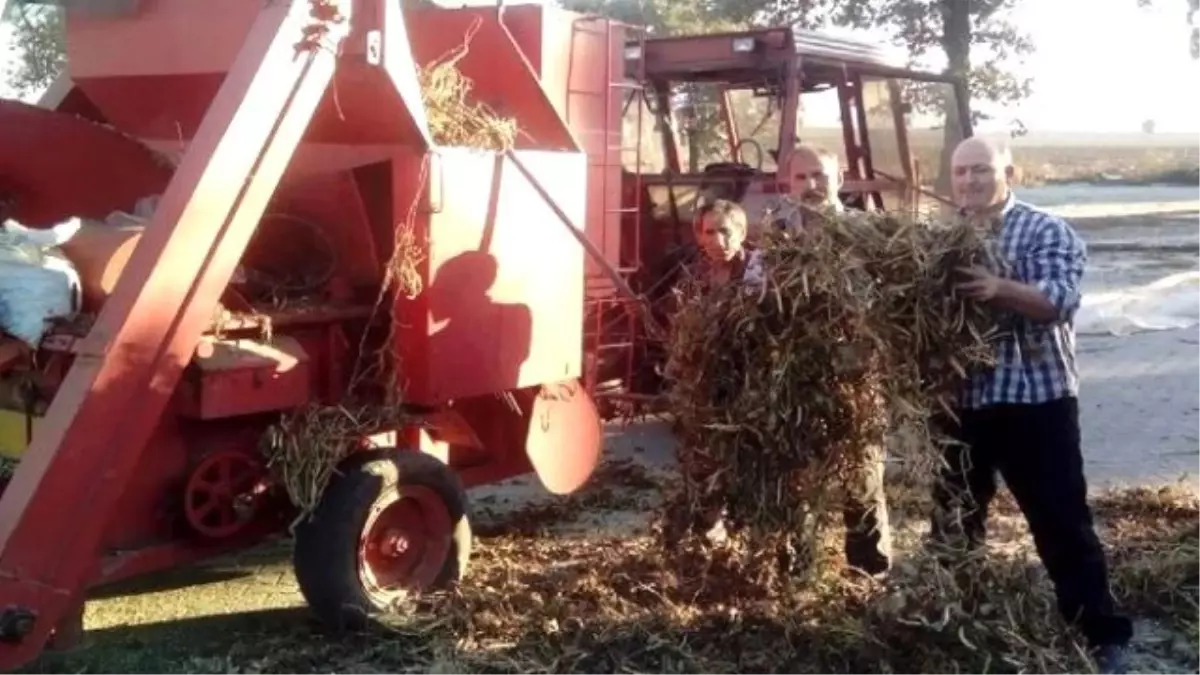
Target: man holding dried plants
(1022,417)
(814,176)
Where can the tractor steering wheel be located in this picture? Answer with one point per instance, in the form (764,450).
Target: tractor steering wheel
(738,153)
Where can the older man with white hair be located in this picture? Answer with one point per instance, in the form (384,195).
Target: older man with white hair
(813,176)
(1021,418)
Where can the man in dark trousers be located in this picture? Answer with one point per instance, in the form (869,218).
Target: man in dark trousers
(1022,417)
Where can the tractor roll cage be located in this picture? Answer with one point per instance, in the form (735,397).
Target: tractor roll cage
(784,64)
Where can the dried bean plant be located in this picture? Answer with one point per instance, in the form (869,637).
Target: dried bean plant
(779,390)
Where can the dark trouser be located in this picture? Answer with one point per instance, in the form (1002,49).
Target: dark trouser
(1036,449)
(868,542)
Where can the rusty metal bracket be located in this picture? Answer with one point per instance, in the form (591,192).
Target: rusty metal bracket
(580,235)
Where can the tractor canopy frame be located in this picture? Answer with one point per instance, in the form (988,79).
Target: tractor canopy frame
(731,73)
(716,115)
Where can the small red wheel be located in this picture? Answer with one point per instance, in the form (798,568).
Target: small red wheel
(390,523)
(405,542)
(220,497)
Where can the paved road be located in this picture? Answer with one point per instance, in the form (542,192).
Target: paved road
(1140,406)
(1139,403)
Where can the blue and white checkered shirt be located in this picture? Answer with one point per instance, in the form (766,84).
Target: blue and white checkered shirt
(1036,362)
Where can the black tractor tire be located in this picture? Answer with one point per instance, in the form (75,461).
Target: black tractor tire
(326,557)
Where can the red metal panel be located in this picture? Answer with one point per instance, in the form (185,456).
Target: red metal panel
(153,41)
(498,69)
(505,278)
(101,419)
(157,85)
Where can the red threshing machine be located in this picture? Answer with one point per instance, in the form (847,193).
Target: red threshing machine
(297,131)
(287,136)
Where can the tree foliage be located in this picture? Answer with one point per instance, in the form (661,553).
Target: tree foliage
(971,38)
(39,45)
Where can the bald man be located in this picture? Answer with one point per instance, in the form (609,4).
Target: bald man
(1021,419)
(814,177)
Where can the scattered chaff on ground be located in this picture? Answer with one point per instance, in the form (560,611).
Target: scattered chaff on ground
(780,392)
(1156,563)
(542,602)
(618,605)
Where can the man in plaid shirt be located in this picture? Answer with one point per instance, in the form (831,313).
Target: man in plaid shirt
(1021,418)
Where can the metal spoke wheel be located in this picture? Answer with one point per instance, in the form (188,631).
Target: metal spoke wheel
(391,522)
(222,494)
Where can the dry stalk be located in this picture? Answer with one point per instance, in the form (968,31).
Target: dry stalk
(455,120)
(780,392)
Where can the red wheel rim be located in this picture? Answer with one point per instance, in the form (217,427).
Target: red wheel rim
(218,500)
(405,541)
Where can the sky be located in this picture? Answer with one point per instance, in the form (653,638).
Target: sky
(1128,65)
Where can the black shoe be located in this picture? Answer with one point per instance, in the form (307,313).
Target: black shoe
(1110,659)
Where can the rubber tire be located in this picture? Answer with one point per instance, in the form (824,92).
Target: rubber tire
(325,554)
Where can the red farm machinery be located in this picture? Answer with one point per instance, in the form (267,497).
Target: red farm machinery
(289,140)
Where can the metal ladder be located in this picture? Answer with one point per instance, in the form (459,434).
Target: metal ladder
(611,331)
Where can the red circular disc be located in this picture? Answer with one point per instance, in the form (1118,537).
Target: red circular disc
(405,541)
(219,498)
(59,165)
(565,436)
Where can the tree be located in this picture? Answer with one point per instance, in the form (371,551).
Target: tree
(1193,10)
(39,42)
(975,38)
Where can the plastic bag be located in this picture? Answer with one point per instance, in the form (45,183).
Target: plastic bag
(37,284)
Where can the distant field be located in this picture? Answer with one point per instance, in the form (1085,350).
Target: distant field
(1040,158)
(1047,164)
(1055,158)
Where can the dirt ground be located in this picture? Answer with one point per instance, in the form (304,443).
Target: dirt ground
(1140,419)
